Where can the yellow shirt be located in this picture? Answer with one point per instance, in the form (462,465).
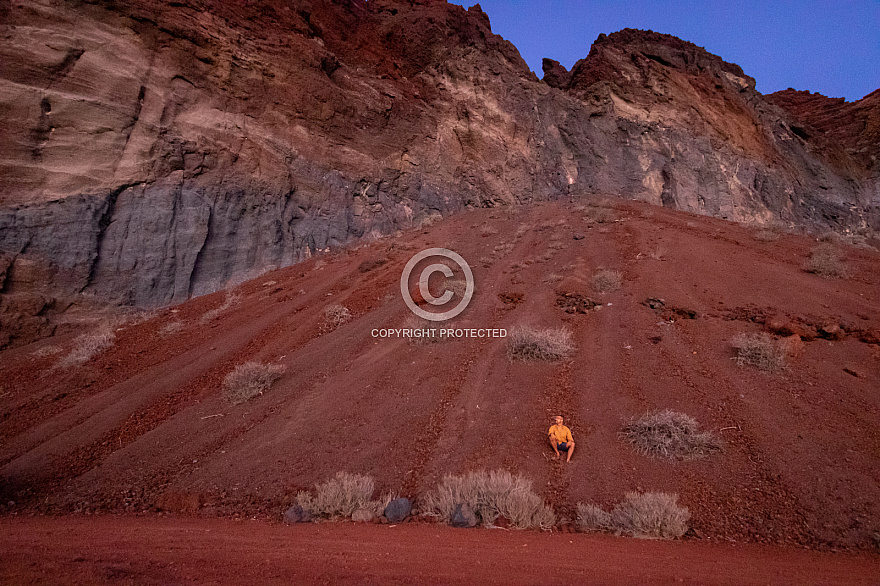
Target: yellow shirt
(560,433)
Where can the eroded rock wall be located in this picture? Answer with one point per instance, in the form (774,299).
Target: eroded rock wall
(156,150)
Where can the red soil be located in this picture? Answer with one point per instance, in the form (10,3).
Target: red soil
(107,550)
(144,426)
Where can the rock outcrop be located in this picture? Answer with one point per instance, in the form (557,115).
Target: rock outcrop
(156,150)
(847,132)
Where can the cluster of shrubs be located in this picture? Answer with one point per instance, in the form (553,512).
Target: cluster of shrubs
(343,497)
(649,514)
(486,498)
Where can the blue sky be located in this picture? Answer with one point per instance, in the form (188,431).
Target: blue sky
(822,46)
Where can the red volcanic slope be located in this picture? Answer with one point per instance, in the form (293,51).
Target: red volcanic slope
(144,426)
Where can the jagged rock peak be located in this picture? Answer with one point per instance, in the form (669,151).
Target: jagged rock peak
(667,50)
(555,75)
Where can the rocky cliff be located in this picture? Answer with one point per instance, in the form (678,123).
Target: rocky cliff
(154,149)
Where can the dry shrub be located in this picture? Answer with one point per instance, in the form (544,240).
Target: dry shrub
(457,286)
(552,279)
(490,494)
(428,331)
(228,301)
(170,328)
(766,235)
(606,280)
(336,315)
(668,434)
(593,518)
(760,350)
(341,496)
(600,215)
(45,351)
(528,344)
(650,514)
(250,379)
(87,346)
(429,220)
(825,261)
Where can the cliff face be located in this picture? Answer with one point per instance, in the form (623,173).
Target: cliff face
(156,150)
(847,132)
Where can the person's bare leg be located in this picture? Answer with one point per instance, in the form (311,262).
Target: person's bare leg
(570,451)
(553,443)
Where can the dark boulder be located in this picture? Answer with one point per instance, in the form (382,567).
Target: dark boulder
(297,514)
(398,510)
(463,516)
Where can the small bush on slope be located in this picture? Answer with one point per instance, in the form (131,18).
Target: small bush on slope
(668,434)
(228,301)
(490,494)
(341,496)
(758,350)
(87,346)
(250,379)
(606,280)
(825,261)
(336,315)
(527,344)
(429,330)
(650,514)
(593,518)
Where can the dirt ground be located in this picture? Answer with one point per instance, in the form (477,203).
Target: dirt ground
(153,550)
(143,427)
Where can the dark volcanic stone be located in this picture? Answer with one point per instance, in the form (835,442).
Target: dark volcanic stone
(398,510)
(296,514)
(463,516)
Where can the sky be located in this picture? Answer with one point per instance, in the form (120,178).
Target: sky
(831,47)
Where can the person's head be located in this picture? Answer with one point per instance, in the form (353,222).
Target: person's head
(558,419)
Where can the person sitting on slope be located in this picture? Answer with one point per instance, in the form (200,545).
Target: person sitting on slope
(560,439)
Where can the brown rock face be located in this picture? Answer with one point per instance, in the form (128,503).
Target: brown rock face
(850,131)
(555,75)
(156,150)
